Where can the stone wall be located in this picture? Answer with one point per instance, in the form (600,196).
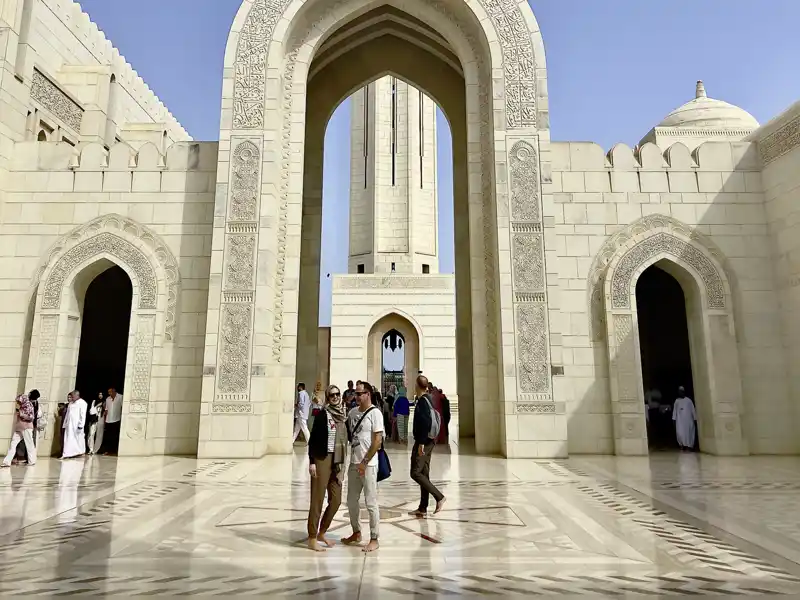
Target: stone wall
(56,196)
(717,192)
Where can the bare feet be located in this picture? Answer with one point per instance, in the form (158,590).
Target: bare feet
(313,544)
(440,505)
(321,538)
(371,547)
(353,540)
(418,514)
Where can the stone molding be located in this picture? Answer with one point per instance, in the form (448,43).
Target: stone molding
(60,104)
(394,282)
(232,408)
(617,243)
(780,142)
(120,228)
(537,408)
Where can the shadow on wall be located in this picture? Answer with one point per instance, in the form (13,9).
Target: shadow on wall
(699,217)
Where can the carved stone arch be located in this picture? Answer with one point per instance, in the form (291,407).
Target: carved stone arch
(611,248)
(413,348)
(135,245)
(714,352)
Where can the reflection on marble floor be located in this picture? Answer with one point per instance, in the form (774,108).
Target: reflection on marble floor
(667,526)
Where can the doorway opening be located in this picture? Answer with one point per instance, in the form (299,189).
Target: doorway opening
(665,353)
(393,361)
(105,326)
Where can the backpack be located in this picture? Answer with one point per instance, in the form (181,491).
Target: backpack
(26,412)
(436,420)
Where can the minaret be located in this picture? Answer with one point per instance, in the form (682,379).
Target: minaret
(393,201)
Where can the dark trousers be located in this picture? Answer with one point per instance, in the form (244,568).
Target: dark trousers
(420,472)
(111,438)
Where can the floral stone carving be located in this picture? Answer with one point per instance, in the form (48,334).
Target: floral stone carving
(143,358)
(528,264)
(49,95)
(235,336)
(240,261)
(244,182)
(524,183)
(103,243)
(532,369)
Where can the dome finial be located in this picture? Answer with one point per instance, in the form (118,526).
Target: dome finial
(701,90)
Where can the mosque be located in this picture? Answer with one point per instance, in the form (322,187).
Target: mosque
(187,273)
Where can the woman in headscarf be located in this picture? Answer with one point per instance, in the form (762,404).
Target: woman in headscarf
(327,452)
(388,412)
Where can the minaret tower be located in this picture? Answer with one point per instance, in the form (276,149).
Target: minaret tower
(393,200)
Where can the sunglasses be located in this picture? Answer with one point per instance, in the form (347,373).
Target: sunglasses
(334,394)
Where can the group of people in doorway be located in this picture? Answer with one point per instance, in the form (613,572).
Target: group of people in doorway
(84,429)
(681,414)
(347,435)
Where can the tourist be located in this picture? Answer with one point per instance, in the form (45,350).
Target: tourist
(317,401)
(39,423)
(327,452)
(74,422)
(113,416)
(97,425)
(401,411)
(388,415)
(349,396)
(685,417)
(365,430)
(24,417)
(437,401)
(302,406)
(427,426)
(444,435)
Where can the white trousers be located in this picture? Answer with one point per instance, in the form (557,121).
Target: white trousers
(301,424)
(96,436)
(369,485)
(27,436)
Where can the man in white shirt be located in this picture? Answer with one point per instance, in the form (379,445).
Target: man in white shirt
(302,405)
(113,419)
(365,426)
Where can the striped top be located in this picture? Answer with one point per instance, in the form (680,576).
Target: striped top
(331,435)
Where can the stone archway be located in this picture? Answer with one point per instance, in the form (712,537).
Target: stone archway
(715,359)
(490,51)
(68,269)
(412,347)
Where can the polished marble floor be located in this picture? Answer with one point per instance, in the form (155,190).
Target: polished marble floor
(668,526)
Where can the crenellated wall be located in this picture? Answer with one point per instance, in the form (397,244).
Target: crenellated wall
(162,205)
(716,192)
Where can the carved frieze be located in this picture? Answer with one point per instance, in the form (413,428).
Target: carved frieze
(49,95)
(137,407)
(232,408)
(524,183)
(394,283)
(539,408)
(103,243)
(664,243)
(245,182)
(240,262)
(233,375)
(780,142)
(48,332)
(143,358)
(528,256)
(624,361)
(533,371)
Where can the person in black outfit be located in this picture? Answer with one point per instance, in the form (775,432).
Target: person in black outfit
(423,449)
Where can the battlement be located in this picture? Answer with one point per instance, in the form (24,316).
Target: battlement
(82,27)
(708,156)
(61,156)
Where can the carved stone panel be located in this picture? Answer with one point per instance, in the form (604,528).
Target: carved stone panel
(245,182)
(49,95)
(527,253)
(625,360)
(524,183)
(664,243)
(103,243)
(233,375)
(43,376)
(143,358)
(533,371)
(781,142)
(232,408)
(240,262)
(394,282)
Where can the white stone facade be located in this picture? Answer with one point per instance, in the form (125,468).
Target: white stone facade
(222,241)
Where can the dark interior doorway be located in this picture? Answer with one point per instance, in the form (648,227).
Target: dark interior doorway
(104,333)
(666,358)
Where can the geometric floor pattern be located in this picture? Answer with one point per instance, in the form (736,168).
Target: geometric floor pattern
(667,526)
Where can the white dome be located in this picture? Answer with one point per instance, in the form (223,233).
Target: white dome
(703,112)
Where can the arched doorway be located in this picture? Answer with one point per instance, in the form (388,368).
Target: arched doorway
(393,352)
(665,352)
(288,66)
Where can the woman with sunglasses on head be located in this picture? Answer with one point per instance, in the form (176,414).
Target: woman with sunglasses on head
(327,451)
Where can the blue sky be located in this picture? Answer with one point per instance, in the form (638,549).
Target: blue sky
(615,69)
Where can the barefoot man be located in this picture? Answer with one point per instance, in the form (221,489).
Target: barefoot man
(365,427)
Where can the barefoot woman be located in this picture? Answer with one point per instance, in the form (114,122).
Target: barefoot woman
(327,451)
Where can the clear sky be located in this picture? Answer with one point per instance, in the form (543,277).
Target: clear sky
(615,69)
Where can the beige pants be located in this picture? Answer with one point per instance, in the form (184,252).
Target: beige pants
(27,436)
(327,480)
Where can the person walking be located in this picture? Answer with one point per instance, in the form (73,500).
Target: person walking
(97,425)
(113,418)
(685,417)
(365,431)
(302,406)
(25,415)
(402,410)
(427,425)
(74,422)
(327,452)
(39,424)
